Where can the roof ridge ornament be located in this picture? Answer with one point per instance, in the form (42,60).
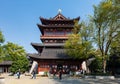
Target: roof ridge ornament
(59,10)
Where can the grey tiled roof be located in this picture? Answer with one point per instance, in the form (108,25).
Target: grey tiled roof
(51,54)
(40,46)
(47,44)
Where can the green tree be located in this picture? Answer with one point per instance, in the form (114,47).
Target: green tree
(74,46)
(107,25)
(1,38)
(1,41)
(86,33)
(96,65)
(13,51)
(21,64)
(78,44)
(16,54)
(115,44)
(114,60)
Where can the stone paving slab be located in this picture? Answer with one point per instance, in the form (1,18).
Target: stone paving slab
(65,80)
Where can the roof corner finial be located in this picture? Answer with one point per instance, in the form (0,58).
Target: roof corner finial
(59,10)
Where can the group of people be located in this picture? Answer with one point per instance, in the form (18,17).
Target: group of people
(59,73)
(33,74)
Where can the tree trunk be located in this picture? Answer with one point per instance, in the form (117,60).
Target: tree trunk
(104,66)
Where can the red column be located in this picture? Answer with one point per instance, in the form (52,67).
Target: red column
(38,67)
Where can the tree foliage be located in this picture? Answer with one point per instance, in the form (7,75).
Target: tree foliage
(114,60)
(1,37)
(96,65)
(107,26)
(21,64)
(13,51)
(1,41)
(78,44)
(16,54)
(74,46)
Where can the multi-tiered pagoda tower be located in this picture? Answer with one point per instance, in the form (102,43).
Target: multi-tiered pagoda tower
(51,53)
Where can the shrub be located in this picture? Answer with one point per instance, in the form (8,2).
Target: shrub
(96,65)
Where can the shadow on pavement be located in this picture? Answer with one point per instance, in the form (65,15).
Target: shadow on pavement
(68,80)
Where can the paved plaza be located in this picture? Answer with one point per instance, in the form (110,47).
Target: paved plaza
(65,80)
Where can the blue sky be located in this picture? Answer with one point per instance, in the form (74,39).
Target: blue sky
(18,18)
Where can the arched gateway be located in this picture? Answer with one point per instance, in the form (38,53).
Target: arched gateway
(51,53)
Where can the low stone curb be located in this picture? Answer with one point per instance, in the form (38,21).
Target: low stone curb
(105,77)
(101,77)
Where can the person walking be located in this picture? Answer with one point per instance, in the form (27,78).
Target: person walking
(34,74)
(60,74)
(18,74)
